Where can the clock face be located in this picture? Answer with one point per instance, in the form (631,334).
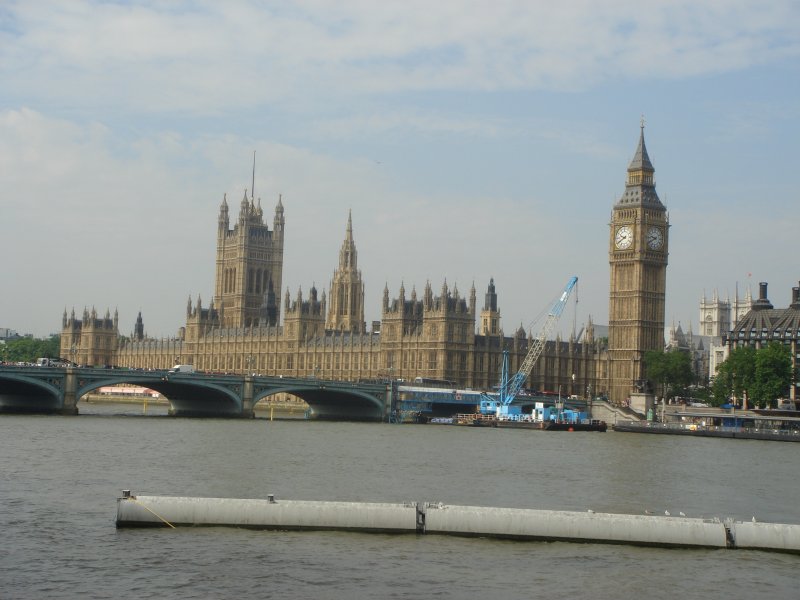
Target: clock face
(655,238)
(623,238)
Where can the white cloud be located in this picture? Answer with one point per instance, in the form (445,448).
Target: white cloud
(208,57)
(121,127)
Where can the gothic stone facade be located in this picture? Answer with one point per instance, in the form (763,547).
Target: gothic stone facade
(325,336)
(432,336)
(638,250)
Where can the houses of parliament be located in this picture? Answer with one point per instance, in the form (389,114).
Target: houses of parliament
(438,334)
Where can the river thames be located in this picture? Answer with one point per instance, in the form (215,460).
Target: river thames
(60,477)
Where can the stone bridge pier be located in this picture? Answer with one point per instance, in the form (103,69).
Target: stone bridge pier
(70,406)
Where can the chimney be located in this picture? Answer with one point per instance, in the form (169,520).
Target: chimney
(762,302)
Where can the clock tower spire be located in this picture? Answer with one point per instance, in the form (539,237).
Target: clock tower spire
(638,267)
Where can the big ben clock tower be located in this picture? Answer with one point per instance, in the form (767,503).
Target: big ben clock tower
(637,256)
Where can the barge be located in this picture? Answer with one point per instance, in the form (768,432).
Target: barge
(759,426)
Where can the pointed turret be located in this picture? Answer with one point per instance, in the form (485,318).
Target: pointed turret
(279,221)
(640,187)
(223,212)
(138,329)
(490,302)
(472,298)
(348,257)
(641,160)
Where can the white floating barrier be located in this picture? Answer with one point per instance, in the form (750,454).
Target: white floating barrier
(516,523)
(475,521)
(778,537)
(148,511)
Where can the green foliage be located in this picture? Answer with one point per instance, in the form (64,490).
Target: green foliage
(28,349)
(735,375)
(669,373)
(763,375)
(773,374)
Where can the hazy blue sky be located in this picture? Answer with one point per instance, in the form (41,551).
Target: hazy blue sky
(470,139)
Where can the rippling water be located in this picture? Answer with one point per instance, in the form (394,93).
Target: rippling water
(60,476)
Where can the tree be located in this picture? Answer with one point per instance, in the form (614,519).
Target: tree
(28,349)
(773,374)
(763,375)
(669,372)
(735,376)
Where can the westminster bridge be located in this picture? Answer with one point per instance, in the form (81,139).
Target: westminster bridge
(57,390)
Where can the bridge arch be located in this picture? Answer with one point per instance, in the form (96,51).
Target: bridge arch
(19,390)
(330,401)
(195,397)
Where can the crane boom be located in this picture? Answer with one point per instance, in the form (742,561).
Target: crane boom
(510,387)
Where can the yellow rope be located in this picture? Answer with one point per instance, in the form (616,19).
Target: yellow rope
(153,512)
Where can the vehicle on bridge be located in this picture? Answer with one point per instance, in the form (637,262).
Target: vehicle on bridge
(52,362)
(182,369)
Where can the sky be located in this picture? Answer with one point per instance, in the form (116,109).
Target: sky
(470,140)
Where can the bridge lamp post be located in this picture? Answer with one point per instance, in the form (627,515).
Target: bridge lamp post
(249,361)
(72,350)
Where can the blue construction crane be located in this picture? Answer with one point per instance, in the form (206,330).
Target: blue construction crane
(510,387)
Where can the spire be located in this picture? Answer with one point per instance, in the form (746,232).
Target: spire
(490,302)
(472,299)
(640,187)
(279,221)
(348,256)
(641,161)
